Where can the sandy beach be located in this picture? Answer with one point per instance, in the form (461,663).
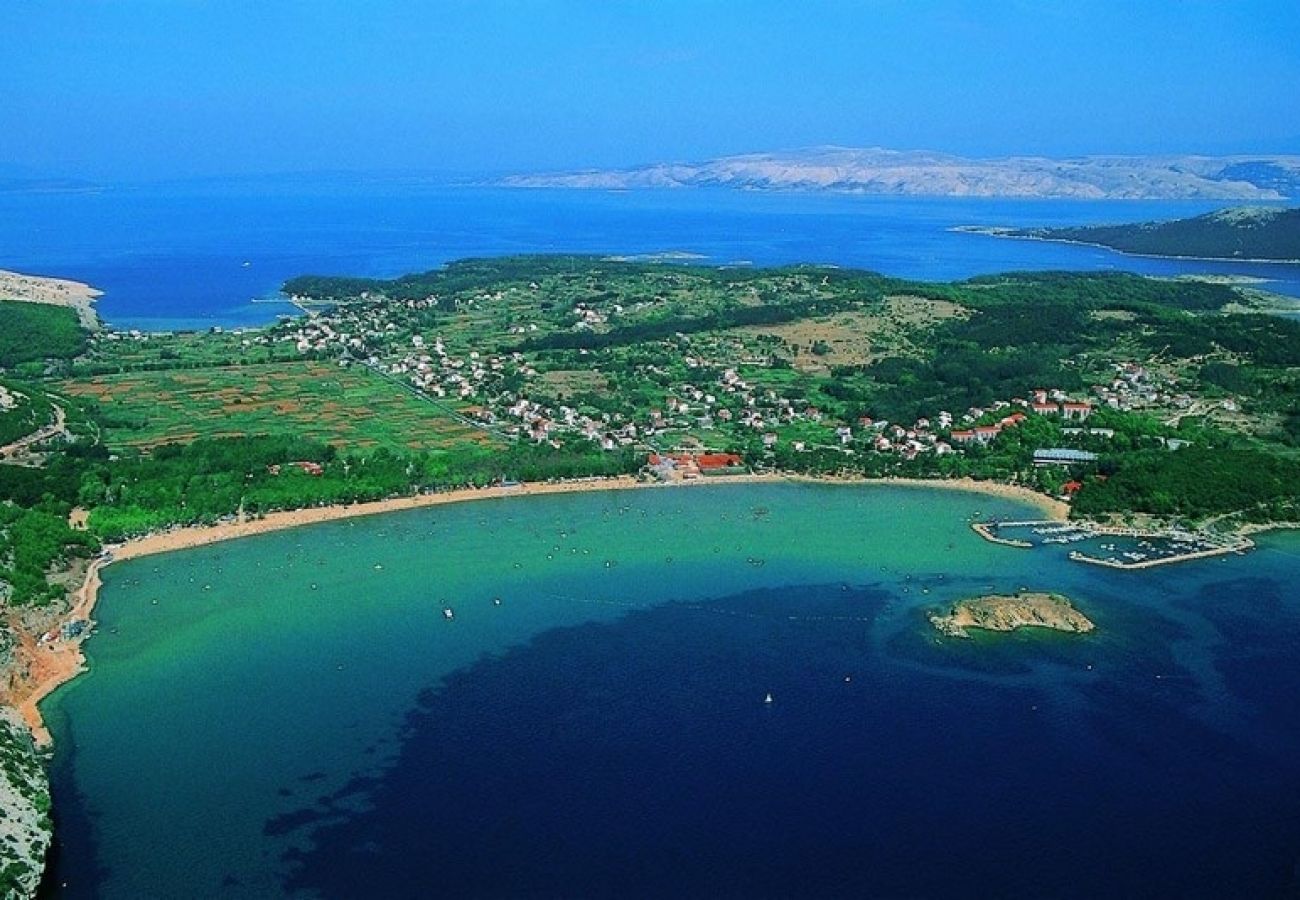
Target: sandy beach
(53,291)
(55,663)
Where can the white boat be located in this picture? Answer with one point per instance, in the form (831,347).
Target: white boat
(768,699)
(448,613)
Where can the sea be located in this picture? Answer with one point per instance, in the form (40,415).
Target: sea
(295,714)
(704,691)
(195,255)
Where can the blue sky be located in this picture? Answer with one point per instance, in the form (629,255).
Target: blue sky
(167,88)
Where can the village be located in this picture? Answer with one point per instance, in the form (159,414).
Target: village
(698,424)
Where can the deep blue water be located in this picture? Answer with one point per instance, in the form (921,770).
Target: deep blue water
(173,257)
(626,759)
(290,715)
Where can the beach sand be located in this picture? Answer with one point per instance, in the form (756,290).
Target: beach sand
(54,664)
(54,291)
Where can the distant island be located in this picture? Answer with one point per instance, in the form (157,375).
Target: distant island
(922,173)
(999,612)
(1240,233)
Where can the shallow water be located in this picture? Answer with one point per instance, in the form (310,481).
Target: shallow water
(292,715)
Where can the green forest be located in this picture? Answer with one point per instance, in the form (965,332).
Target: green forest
(1244,233)
(33,331)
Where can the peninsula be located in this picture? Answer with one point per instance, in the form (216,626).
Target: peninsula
(1244,233)
(997,612)
(73,295)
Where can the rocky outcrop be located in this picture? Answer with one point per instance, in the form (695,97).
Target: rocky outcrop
(1009,612)
(25,828)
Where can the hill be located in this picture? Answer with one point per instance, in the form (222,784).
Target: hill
(1239,233)
(921,173)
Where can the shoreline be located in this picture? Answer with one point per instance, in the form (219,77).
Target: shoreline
(63,661)
(992,231)
(74,295)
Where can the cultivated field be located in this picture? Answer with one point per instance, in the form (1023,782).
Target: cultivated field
(352,407)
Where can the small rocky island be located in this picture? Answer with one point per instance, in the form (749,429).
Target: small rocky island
(1002,612)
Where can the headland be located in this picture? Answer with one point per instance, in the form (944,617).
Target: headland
(75,295)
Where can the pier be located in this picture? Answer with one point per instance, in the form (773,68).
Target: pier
(1145,556)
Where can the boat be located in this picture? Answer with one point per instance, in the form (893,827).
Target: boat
(496,601)
(448,613)
(768,699)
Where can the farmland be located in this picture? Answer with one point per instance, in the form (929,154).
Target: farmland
(349,408)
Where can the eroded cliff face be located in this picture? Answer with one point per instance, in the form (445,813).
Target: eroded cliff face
(25,827)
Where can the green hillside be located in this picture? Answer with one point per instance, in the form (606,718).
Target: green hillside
(1238,233)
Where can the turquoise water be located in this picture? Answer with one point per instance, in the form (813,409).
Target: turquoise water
(292,715)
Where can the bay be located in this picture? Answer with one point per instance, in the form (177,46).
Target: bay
(293,715)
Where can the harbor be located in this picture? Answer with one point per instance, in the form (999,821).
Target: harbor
(1116,547)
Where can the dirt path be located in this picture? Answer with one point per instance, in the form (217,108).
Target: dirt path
(55,428)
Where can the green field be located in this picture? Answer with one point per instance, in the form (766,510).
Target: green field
(349,408)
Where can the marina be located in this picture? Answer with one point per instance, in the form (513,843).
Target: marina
(1115,547)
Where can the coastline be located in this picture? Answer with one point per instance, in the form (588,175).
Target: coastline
(63,661)
(74,295)
(994,231)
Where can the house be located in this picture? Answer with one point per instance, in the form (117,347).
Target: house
(1045,409)
(719,463)
(1076,412)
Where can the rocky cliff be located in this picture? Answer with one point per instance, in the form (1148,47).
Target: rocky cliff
(25,828)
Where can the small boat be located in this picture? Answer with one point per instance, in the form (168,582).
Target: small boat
(496,601)
(448,613)
(768,699)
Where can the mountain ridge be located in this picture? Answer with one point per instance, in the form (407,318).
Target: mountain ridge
(881,171)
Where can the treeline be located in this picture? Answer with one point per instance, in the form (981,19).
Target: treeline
(1194,482)
(1097,290)
(207,480)
(35,331)
(500,272)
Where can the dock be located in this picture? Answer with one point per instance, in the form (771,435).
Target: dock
(1200,545)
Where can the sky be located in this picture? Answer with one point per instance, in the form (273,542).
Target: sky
(140,89)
